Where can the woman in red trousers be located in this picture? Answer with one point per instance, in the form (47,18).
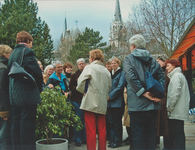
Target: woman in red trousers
(95,83)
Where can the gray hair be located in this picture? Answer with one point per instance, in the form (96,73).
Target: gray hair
(47,67)
(56,62)
(80,59)
(138,40)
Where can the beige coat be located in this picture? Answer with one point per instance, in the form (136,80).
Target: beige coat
(95,100)
(178,96)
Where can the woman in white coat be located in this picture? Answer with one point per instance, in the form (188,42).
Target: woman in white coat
(178,98)
(95,83)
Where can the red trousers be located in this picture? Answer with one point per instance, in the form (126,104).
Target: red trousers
(91,119)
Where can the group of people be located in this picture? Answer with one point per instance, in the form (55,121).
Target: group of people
(97,93)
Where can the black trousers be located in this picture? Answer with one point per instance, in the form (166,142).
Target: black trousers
(115,122)
(143,127)
(23,127)
(176,138)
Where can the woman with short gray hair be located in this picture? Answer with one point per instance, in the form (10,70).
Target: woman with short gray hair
(49,69)
(57,78)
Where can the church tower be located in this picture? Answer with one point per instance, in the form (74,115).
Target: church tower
(116,26)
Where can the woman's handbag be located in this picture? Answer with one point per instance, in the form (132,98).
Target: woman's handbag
(18,72)
(153,86)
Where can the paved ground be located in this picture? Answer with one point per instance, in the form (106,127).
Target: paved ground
(189,132)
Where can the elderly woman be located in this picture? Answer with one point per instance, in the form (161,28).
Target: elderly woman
(116,103)
(95,82)
(47,72)
(23,96)
(5,121)
(57,78)
(178,98)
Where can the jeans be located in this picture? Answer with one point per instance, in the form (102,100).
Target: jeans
(115,121)
(143,127)
(23,127)
(5,134)
(79,135)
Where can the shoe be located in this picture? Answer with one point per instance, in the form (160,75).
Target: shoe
(126,141)
(78,144)
(110,144)
(115,145)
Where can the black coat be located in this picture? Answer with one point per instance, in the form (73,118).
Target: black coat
(4,85)
(21,93)
(76,96)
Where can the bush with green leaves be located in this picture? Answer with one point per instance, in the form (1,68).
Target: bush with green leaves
(55,114)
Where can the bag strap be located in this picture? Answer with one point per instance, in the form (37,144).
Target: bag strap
(22,56)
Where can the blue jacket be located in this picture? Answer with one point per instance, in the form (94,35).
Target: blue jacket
(116,93)
(53,79)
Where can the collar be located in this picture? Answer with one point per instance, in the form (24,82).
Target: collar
(97,62)
(4,60)
(174,71)
(115,71)
(54,76)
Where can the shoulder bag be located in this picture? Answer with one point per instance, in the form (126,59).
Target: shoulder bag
(153,86)
(17,72)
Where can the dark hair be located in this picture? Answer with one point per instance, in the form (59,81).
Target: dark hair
(23,36)
(174,62)
(67,65)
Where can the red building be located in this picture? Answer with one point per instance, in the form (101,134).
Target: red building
(185,52)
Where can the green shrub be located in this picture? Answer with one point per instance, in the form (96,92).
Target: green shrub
(54,114)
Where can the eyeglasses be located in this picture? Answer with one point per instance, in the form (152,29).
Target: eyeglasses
(81,64)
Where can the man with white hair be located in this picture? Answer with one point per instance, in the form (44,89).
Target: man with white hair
(76,97)
(142,106)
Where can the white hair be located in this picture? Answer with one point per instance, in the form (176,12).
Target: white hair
(56,62)
(80,59)
(47,67)
(138,40)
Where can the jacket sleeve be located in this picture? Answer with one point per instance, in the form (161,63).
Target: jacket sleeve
(86,74)
(132,78)
(174,93)
(33,68)
(122,81)
(4,93)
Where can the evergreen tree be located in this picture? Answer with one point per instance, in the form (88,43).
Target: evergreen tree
(16,16)
(86,42)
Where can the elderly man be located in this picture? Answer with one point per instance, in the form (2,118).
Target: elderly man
(142,106)
(76,97)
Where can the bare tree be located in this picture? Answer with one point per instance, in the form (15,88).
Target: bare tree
(163,21)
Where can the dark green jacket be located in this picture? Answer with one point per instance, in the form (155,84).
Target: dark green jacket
(21,93)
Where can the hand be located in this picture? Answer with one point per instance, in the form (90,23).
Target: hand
(50,86)
(66,93)
(150,97)
(5,118)
(108,98)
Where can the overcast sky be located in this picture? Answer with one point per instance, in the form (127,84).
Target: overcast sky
(96,14)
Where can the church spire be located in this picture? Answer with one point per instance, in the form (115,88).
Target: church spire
(65,27)
(117,14)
